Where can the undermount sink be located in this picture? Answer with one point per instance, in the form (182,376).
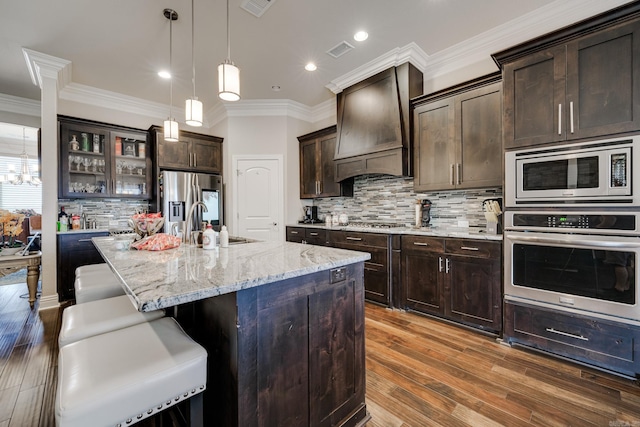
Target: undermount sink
(240,240)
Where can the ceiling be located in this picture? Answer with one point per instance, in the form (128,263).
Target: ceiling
(119,45)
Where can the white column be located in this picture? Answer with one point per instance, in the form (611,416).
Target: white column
(50,74)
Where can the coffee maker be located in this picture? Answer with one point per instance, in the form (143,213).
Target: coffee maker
(310,215)
(425,207)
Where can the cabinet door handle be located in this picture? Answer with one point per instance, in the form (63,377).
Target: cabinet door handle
(440,264)
(293,232)
(84,240)
(571,116)
(567,334)
(448,266)
(469,248)
(420,244)
(451,172)
(357,239)
(458,177)
(195,162)
(559,119)
(319,187)
(313,234)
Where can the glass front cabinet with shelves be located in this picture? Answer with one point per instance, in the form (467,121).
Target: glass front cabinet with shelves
(100,160)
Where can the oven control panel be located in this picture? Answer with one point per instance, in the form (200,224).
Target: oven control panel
(568,221)
(605,221)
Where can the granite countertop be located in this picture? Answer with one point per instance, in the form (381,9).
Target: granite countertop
(163,279)
(477,233)
(84,230)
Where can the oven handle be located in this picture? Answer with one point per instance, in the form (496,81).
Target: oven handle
(583,240)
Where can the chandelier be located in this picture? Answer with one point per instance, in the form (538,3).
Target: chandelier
(25,176)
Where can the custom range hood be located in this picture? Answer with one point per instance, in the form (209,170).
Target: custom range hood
(373,132)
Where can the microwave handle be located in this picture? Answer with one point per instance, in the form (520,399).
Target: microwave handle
(583,240)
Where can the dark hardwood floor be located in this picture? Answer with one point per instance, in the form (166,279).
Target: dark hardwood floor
(420,372)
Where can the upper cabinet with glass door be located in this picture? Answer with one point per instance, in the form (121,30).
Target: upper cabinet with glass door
(100,160)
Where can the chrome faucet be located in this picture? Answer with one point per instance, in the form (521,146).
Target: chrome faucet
(186,235)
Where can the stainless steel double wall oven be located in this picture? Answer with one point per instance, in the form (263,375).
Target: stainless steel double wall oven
(572,228)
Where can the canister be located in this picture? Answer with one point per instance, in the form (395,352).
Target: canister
(141,149)
(85,142)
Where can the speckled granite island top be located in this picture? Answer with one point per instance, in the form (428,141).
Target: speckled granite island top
(163,279)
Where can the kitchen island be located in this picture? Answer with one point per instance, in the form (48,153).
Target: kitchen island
(283,325)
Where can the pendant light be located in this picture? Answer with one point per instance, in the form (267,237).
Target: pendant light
(228,74)
(170,125)
(193,107)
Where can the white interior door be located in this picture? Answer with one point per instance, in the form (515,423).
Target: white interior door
(258,193)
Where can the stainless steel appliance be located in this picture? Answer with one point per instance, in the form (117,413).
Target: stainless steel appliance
(180,193)
(596,173)
(575,261)
(310,215)
(425,208)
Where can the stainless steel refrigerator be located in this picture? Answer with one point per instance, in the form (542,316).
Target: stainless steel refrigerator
(179,191)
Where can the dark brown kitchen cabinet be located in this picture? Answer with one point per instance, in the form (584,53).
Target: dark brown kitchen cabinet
(100,160)
(193,152)
(287,354)
(458,136)
(377,270)
(602,343)
(74,249)
(317,170)
(458,279)
(579,82)
(310,235)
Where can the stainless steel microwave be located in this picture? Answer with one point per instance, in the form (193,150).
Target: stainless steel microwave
(596,173)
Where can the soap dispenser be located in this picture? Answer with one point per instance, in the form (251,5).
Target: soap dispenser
(209,238)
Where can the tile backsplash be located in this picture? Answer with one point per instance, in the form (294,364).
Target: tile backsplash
(384,198)
(105,211)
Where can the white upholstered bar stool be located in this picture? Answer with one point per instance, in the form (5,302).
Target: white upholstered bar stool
(98,317)
(92,268)
(122,377)
(92,286)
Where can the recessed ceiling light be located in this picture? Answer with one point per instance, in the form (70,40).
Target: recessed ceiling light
(164,74)
(360,36)
(310,67)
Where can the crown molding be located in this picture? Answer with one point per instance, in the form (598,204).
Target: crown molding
(90,95)
(551,17)
(41,64)
(410,53)
(14,104)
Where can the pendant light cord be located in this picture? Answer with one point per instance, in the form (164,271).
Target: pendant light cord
(171,64)
(193,58)
(228,35)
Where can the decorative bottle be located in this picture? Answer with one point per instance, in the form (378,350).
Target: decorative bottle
(224,237)
(209,238)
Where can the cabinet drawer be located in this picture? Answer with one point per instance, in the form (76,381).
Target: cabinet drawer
(474,248)
(603,343)
(422,244)
(315,236)
(295,234)
(357,238)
